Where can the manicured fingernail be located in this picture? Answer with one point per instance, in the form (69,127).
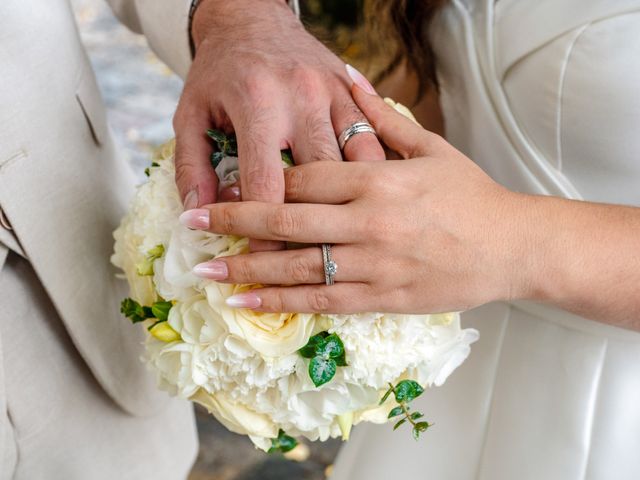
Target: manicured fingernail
(191,200)
(360,80)
(231,194)
(198,218)
(214,270)
(244,300)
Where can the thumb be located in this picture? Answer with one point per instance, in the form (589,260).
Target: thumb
(196,179)
(398,132)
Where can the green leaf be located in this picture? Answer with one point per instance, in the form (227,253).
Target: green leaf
(218,135)
(385,396)
(309,350)
(147,171)
(321,370)
(148,312)
(341,361)
(231,148)
(332,347)
(160,310)
(422,426)
(287,157)
(416,415)
(284,443)
(408,390)
(397,425)
(133,310)
(395,412)
(418,428)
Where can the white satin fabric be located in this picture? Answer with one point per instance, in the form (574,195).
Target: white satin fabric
(545,96)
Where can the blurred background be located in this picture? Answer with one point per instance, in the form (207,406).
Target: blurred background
(141,95)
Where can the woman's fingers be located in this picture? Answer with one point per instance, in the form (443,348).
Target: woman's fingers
(339,298)
(396,131)
(289,267)
(302,223)
(326,182)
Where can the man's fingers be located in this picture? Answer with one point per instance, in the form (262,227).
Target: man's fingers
(342,297)
(396,131)
(363,147)
(261,177)
(196,179)
(302,223)
(314,139)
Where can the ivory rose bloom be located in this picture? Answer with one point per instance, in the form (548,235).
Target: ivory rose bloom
(270,334)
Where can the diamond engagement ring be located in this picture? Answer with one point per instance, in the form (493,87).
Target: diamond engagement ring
(330,267)
(354,129)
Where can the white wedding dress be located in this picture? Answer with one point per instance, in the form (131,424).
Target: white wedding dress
(545,96)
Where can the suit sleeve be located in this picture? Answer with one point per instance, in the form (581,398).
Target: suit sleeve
(165,23)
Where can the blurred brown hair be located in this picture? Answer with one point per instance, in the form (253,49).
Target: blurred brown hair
(403,25)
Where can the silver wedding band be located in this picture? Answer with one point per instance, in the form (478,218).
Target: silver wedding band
(330,267)
(352,130)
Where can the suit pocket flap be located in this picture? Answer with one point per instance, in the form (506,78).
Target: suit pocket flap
(92,106)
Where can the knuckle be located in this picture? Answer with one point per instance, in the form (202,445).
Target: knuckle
(319,301)
(308,83)
(184,169)
(274,302)
(294,183)
(322,153)
(256,87)
(299,270)
(263,181)
(227,221)
(242,271)
(283,223)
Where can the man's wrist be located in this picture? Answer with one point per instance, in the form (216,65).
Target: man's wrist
(203,13)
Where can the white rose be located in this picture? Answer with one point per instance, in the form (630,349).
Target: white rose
(196,322)
(126,257)
(398,107)
(271,334)
(237,417)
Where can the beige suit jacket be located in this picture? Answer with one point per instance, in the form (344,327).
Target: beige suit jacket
(63,186)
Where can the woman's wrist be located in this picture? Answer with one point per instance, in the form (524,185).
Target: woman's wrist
(527,242)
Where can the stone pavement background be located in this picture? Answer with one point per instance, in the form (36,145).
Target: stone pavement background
(141,94)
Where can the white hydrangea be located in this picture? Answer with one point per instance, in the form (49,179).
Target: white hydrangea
(243,366)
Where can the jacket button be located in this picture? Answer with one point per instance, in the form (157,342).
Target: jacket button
(4,221)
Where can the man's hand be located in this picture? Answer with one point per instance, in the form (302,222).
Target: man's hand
(259,73)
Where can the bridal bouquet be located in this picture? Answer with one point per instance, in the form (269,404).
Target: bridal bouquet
(270,376)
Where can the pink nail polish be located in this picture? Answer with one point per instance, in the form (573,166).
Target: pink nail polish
(360,80)
(191,200)
(244,300)
(214,270)
(198,219)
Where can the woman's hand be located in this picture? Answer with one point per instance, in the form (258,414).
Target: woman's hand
(429,234)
